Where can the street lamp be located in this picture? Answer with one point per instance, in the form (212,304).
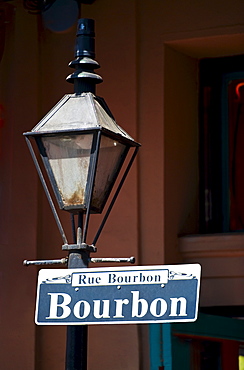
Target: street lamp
(83,151)
(80,144)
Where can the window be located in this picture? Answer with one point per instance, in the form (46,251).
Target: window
(221,144)
(210,343)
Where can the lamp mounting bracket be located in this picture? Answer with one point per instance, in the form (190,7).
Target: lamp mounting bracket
(61,261)
(79,246)
(111,260)
(64,261)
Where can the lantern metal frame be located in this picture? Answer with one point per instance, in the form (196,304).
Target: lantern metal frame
(91,177)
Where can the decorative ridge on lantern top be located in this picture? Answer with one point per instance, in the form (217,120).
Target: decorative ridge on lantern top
(84,78)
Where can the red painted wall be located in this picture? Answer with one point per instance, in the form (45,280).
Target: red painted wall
(142,46)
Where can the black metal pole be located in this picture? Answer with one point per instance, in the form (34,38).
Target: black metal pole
(76,351)
(76,340)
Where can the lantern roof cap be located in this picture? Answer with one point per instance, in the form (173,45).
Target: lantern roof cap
(79,112)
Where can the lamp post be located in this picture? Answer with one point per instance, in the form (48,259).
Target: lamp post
(83,151)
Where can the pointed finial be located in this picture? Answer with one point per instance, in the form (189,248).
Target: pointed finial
(84,78)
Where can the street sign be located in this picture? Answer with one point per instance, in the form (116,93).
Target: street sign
(120,295)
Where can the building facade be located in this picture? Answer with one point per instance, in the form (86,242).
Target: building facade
(173,78)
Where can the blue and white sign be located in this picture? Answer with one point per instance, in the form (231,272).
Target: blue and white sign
(132,295)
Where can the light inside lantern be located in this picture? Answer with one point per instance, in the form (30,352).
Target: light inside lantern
(110,159)
(70,161)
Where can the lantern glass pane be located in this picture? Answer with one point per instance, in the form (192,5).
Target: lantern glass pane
(110,160)
(69,159)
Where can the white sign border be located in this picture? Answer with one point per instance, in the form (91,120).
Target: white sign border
(180,269)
